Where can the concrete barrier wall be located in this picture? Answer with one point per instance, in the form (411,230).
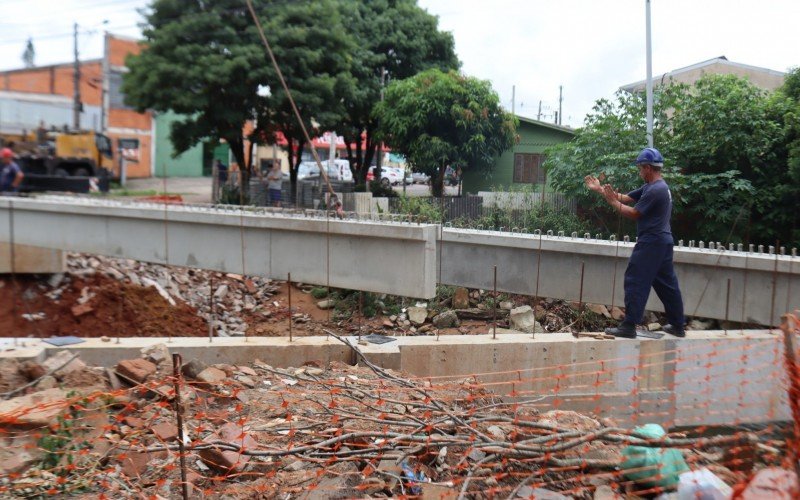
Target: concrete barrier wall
(370,256)
(29,259)
(762,286)
(713,378)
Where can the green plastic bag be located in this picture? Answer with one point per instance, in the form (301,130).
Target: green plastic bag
(653,466)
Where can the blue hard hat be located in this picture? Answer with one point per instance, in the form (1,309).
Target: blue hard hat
(650,156)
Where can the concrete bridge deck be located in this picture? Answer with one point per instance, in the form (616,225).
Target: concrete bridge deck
(400,258)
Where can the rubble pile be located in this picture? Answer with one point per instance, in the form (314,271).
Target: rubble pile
(315,431)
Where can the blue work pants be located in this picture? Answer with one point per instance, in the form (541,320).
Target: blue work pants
(650,265)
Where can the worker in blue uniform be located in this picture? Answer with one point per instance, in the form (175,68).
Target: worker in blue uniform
(650,264)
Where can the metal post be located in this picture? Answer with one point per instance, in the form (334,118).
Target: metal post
(289,291)
(176,372)
(211,308)
(494,312)
(727,305)
(580,299)
(649,78)
(76,82)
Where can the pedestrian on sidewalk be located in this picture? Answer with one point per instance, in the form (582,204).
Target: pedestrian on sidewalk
(650,264)
(275,184)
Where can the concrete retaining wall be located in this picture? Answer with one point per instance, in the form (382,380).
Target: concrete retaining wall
(709,378)
(762,286)
(369,256)
(29,259)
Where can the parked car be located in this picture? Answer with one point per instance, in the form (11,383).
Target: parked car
(338,171)
(420,178)
(389,176)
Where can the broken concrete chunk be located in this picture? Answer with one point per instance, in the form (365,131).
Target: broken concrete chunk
(38,409)
(326,304)
(447,319)
(59,359)
(165,431)
(228,460)
(461,298)
(417,315)
(212,376)
(521,318)
(157,353)
(193,368)
(136,369)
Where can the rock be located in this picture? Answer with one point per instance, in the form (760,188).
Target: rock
(154,284)
(38,409)
(654,327)
(539,494)
(228,460)
(59,359)
(15,461)
(157,353)
(447,319)
(438,492)
(599,309)
(211,376)
(136,369)
(522,319)
(617,313)
(245,380)
(114,273)
(55,280)
(393,318)
(476,455)
(31,369)
(326,304)
(135,463)
(247,371)
(387,324)
(221,292)
(193,368)
(81,309)
(506,304)
(134,278)
(774,483)
(165,431)
(698,324)
(497,433)
(46,382)
(461,298)
(417,315)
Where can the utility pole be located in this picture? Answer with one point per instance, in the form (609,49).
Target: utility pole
(560,98)
(76,104)
(539,115)
(649,78)
(513,99)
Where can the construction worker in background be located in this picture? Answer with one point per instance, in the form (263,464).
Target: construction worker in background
(11,175)
(650,264)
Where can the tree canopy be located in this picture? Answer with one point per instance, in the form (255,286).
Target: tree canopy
(205,60)
(726,158)
(437,119)
(395,39)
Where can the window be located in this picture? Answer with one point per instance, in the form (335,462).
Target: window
(528,168)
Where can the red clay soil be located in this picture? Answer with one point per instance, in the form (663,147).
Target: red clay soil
(117,309)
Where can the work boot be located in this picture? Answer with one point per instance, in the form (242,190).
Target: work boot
(624,330)
(674,330)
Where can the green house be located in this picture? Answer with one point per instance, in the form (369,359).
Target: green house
(196,162)
(522,164)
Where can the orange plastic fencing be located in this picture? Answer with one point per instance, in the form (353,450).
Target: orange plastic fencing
(353,431)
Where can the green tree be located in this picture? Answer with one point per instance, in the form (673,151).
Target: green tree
(724,141)
(29,55)
(437,119)
(206,61)
(396,39)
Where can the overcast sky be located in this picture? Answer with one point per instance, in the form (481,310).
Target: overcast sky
(591,47)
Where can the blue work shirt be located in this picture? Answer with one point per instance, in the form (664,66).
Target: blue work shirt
(7,175)
(654,204)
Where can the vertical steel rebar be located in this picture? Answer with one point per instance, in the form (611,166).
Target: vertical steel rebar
(289,292)
(538,270)
(494,310)
(360,312)
(774,286)
(727,306)
(210,307)
(580,300)
(176,373)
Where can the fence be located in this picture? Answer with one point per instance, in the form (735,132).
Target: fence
(308,193)
(353,431)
